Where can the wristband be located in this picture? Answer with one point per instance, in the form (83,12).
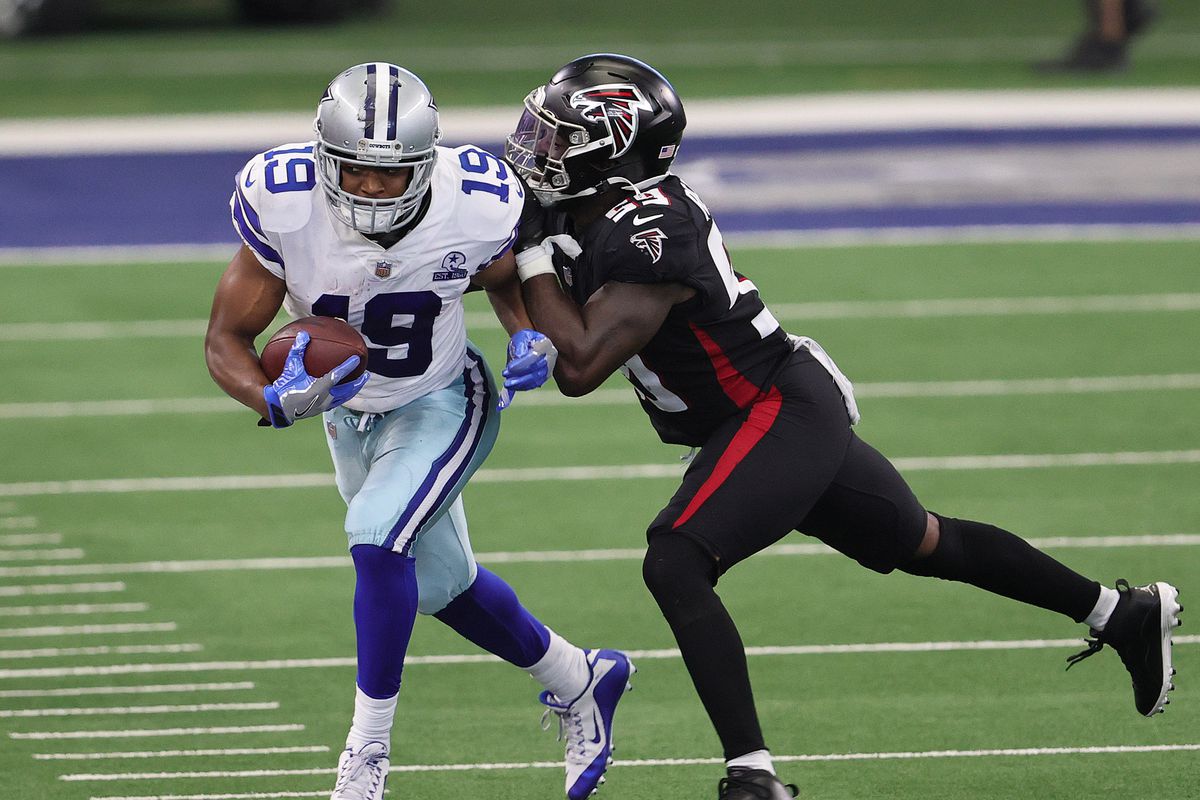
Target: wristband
(534,261)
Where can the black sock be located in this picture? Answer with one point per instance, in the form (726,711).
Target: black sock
(681,575)
(1002,563)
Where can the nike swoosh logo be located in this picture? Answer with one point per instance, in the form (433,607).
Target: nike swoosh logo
(249,181)
(598,725)
(307,408)
(637,220)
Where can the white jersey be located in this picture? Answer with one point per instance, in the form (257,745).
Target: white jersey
(406,300)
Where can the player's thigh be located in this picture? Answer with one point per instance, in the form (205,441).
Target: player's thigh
(761,471)
(422,457)
(346,450)
(445,562)
(868,512)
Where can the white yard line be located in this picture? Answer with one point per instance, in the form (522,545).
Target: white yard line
(183,253)
(74,609)
(118,255)
(121,408)
(193,708)
(27,539)
(626,397)
(13,523)
(567,473)
(484,658)
(240,796)
(168,688)
(877,237)
(1008,752)
(848,309)
(153,733)
(229,751)
(101,650)
(88,630)
(61,554)
(74,331)
(43,589)
(1027,386)
(989,306)
(539,556)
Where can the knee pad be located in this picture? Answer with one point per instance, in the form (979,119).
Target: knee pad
(445,562)
(439,582)
(680,574)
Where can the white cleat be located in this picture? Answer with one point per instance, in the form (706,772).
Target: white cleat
(586,721)
(362,774)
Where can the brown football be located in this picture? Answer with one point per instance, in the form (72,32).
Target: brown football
(333,341)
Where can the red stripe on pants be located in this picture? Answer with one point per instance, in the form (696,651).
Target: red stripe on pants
(735,385)
(762,416)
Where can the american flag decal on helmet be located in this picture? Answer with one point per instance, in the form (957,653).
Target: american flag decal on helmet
(651,241)
(617,106)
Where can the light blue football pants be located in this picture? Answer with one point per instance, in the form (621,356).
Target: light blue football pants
(401,477)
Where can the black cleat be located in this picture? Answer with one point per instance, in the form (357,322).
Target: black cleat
(1089,54)
(1140,631)
(1138,14)
(754,784)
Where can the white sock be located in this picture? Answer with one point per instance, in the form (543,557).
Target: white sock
(759,759)
(372,720)
(1104,608)
(563,670)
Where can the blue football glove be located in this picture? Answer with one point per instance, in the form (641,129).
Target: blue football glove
(531,358)
(297,395)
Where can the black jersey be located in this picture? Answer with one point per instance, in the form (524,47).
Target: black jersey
(714,353)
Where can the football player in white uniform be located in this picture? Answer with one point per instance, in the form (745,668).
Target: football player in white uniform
(377,224)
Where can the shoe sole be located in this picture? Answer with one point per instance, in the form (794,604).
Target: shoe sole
(1168,620)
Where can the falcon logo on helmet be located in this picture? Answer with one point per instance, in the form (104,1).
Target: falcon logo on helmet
(617,106)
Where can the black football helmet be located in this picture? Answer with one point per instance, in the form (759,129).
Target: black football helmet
(602,120)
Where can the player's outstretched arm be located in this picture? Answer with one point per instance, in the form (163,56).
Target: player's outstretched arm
(530,354)
(246,301)
(593,341)
(503,289)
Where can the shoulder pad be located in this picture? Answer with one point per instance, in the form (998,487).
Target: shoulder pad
(279,187)
(489,195)
(652,224)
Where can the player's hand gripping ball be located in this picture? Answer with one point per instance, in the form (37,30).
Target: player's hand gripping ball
(316,363)
(332,342)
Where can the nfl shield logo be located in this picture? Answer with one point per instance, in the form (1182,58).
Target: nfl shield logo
(383,269)
(331,429)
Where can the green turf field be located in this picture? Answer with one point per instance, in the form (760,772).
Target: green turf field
(282,637)
(186,55)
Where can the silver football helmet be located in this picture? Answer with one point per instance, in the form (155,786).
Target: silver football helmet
(376,115)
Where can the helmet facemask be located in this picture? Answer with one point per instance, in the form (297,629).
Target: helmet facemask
(540,145)
(367,214)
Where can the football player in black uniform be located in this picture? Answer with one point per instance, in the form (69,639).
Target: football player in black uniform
(626,269)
